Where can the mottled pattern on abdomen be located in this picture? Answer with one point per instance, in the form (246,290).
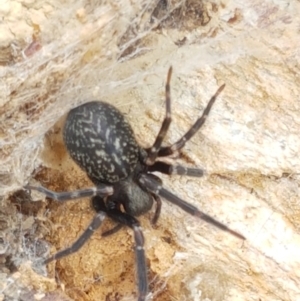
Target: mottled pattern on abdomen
(101,141)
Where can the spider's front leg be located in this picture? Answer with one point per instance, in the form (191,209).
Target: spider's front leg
(83,238)
(155,187)
(114,212)
(100,192)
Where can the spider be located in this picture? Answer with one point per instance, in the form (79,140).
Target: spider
(102,143)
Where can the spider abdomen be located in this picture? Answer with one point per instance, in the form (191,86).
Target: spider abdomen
(101,142)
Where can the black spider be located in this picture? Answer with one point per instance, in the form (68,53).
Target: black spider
(102,143)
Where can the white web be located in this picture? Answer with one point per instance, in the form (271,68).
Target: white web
(120,51)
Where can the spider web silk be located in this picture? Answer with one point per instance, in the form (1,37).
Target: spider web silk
(57,54)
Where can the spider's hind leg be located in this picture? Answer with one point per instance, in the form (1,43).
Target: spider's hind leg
(169,150)
(154,150)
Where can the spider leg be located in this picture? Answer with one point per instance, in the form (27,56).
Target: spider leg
(94,225)
(130,221)
(169,150)
(155,187)
(112,230)
(98,205)
(101,190)
(157,200)
(157,209)
(153,220)
(153,151)
(175,169)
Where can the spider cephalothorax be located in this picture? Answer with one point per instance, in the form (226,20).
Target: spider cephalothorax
(102,143)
